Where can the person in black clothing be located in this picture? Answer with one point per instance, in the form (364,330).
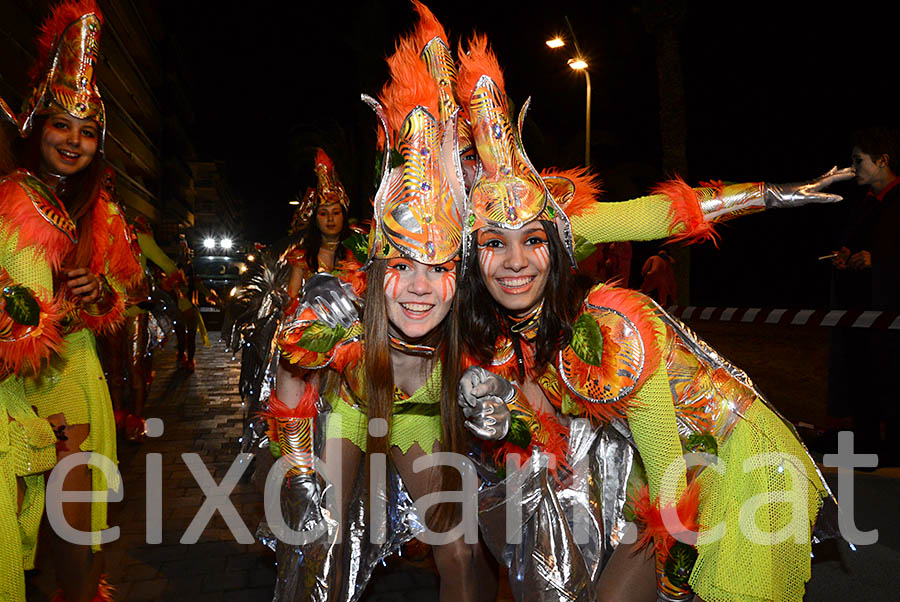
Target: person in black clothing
(867,276)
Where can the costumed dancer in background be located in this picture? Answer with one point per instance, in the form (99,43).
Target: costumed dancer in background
(397,365)
(619,360)
(187,289)
(31,333)
(127,352)
(63,235)
(323,220)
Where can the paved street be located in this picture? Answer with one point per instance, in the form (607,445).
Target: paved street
(201,413)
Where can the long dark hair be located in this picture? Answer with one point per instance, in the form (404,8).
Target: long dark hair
(77,193)
(380,384)
(485,320)
(312,239)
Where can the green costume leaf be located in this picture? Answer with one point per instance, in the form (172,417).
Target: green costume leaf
(587,340)
(583,248)
(319,338)
(275,449)
(703,442)
(519,434)
(358,243)
(21,305)
(680,563)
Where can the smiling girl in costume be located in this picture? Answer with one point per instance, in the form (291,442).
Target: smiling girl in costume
(398,365)
(620,361)
(63,236)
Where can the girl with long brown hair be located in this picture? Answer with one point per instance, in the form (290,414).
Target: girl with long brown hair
(399,364)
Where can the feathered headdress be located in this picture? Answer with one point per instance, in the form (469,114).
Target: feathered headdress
(63,75)
(430,39)
(417,205)
(329,188)
(508,192)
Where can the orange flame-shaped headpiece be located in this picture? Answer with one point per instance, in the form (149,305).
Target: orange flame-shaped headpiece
(418,202)
(508,192)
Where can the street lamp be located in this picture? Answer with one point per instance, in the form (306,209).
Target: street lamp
(579,64)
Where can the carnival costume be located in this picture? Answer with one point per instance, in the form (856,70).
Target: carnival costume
(150,315)
(417,216)
(29,335)
(37,235)
(637,371)
(328,190)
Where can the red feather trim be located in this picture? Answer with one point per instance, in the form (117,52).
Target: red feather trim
(348,354)
(638,308)
(685,213)
(173,280)
(18,215)
(63,15)
(105,592)
(110,321)
(305,408)
(427,28)
(30,345)
(587,188)
(322,158)
(348,270)
(476,61)
(112,252)
(410,86)
(649,517)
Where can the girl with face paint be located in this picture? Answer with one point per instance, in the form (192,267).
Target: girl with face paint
(64,239)
(545,357)
(392,374)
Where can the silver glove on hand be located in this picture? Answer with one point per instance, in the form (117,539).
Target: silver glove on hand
(782,196)
(333,301)
(483,397)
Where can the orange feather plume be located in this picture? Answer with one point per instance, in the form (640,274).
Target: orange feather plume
(410,86)
(63,15)
(427,28)
(18,214)
(686,217)
(322,158)
(649,517)
(588,188)
(305,408)
(476,61)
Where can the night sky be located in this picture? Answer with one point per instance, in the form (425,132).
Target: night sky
(770,94)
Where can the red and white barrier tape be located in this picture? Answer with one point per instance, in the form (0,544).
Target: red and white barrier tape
(794,317)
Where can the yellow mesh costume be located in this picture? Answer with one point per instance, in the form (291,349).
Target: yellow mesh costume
(29,333)
(755,505)
(36,234)
(308,343)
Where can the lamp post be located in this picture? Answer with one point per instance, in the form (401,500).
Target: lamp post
(578,63)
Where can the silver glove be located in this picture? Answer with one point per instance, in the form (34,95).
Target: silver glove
(332,300)
(483,397)
(782,196)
